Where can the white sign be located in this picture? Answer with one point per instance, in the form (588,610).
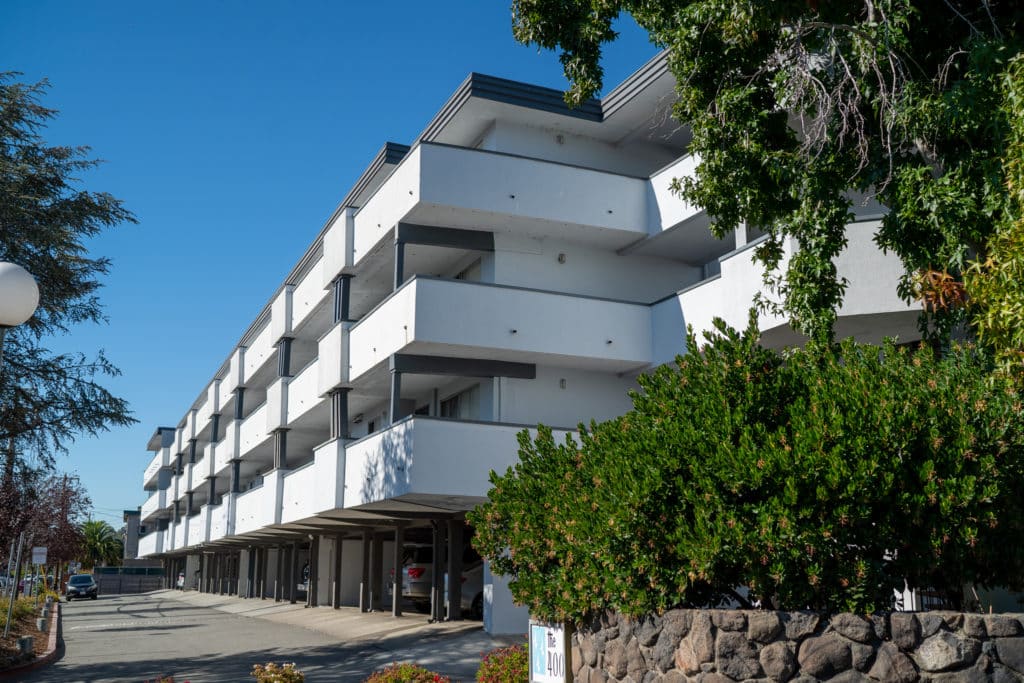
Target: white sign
(547,653)
(39,555)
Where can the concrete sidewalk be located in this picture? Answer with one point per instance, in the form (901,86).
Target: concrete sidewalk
(451,648)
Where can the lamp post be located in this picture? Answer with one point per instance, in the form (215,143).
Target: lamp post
(19,297)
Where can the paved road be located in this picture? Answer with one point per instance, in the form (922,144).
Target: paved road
(136,638)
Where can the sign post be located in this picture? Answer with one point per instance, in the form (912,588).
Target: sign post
(549,653)
(39,555)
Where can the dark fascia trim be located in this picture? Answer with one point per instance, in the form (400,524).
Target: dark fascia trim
(634,84)
(540,98)
(390,153)
(460,238)
(511,92)
(461,367)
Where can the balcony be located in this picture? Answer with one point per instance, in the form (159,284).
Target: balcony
(218,516)
(332,359)
(259,507)
(160,460)
(298,499)
(871,307)
(151,544)
(669,209)
(153,504)
(258,353)
(303,392)
(457,318)
(175,536)
(197,527)
(253,430)
(423,455)
(308,294)
(459,187)
(226,449)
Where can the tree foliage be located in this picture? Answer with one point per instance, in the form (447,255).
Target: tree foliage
(794,103)
(100,544)
(49,508)
(47,398)
(821,479)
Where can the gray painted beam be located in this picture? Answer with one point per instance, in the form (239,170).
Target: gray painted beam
(463,367)
(457,238)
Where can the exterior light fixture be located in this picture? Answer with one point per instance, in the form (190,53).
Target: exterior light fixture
(19,297)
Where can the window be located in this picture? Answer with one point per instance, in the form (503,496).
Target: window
(464,405)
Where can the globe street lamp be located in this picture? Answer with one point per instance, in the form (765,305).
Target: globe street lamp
(19,296)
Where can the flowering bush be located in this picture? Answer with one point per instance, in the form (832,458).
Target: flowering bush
(272,673)
(505,665)
(406,673)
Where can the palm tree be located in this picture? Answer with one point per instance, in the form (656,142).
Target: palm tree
(101,543)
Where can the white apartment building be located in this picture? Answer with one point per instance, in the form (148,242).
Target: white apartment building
(519,263)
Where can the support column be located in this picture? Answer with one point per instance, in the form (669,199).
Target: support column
(455,527)
(284,357)
(314,566)
(179,464)
(188,503)
(336,592)
(399,263)
(280,449)
(364,580)
(250,573)
(212,494)
(279,581)
(236,476)
(240,403)
(261,585)
(396,397)
(339,414)
(342,288)
(215,428)
(295,573)
(439,533)
(191,451)
(376,569)
(396,565)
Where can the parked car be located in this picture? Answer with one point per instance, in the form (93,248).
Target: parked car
(82,586)
(418,573)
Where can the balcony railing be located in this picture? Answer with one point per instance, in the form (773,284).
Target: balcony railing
(197,528)
(494,186)
(427,455)
(160,460)
(253,431)
(151,544)
(153,504)
(302,392)
(508,321)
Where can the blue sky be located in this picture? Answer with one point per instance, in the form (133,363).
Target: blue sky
(232,129)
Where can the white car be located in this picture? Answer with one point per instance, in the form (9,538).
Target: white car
(417,579)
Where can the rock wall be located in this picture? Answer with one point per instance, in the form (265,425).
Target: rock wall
(720,646)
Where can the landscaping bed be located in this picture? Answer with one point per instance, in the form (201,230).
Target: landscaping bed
(22,625)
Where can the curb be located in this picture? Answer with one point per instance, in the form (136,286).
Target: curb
(51,648)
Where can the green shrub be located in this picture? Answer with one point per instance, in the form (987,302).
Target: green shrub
(273,673)
(23,607)
(406,673)
(505,665)
(816,479)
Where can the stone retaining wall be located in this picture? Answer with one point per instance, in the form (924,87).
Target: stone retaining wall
(720,646)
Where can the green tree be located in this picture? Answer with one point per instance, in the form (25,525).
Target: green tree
(793,103)
(100,544)
(819,479)
(47,398)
